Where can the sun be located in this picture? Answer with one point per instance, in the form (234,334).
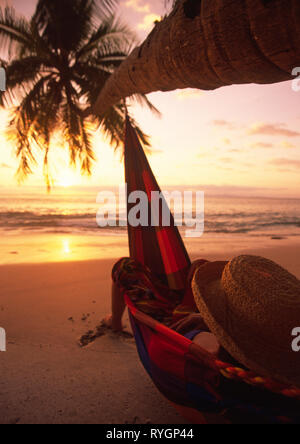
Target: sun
(66,180)
(65,183)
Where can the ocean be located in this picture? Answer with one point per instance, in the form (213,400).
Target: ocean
(74,212)
(36,226)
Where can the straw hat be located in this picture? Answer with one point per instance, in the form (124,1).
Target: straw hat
(252,305)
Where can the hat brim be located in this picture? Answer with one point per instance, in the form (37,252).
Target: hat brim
(244,347)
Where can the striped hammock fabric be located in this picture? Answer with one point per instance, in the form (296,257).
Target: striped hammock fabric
(194,381)
(159,248)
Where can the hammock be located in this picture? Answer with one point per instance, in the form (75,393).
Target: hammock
(194,381)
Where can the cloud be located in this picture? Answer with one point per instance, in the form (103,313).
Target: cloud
(152,151)
(187,94)
(226,160)
(232,161)
(235,150)
(226,124)
(4,165)
(137,6)
(286,144)
(205,155)
(221,123)
(281,162)
(262,145)
(143,8)
(286,170)
(283,144)
(4,3)
(149,21)
(248,164)
(270,129)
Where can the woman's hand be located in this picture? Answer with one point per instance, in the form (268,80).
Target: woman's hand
(189,323)
(107,321)
(110,322)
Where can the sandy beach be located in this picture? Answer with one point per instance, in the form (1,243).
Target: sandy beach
(46,378)
(110,113)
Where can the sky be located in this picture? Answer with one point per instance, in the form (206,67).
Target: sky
(244,139)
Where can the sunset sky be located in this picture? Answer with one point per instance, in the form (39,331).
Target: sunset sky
(242,137)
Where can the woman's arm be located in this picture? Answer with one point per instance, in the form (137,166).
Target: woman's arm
(189,323)
(118,306)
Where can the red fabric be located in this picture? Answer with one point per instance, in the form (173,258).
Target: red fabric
(179,365)
(168,355)
(166,252)
(149,185)
(161,249)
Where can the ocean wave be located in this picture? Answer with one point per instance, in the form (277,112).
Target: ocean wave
(215,222)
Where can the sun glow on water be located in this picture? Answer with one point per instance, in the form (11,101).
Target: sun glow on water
(66,247)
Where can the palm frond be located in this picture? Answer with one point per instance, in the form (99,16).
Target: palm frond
(18,131)
(143,100)
(57,63)
(66,24)
(78,136)
(87,155)
(14,31)
(144,138)
(33,122)
(103,8)
(91,79)
(111,36)
(21,77)
(112,125)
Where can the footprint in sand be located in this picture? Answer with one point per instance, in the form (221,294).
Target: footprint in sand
(101,330)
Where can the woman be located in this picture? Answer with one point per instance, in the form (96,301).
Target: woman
(153,298)
(246,311)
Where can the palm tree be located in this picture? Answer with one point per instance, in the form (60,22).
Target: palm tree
(56,65)
(208,44)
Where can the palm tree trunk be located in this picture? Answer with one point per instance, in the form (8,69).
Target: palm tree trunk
(208,44)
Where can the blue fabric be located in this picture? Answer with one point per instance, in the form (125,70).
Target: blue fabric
(142,350)
(192,334)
